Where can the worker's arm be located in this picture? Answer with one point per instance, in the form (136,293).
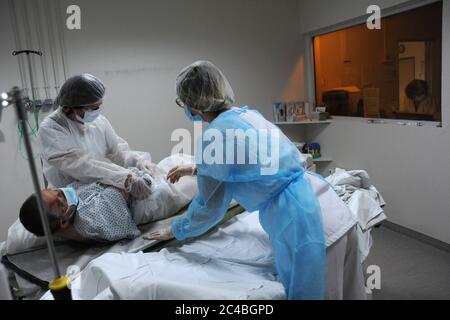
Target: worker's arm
(60,150)
(206,210)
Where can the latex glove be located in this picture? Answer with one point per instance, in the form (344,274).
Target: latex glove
(138,187)
(151,168)
(145,165)
(162,234)
(176,173)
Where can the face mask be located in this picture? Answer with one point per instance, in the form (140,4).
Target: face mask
(71,196)
(89,116)
(190,116)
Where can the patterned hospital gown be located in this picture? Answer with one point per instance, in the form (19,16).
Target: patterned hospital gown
(103,214)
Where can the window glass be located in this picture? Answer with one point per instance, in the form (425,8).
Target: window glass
(393,73)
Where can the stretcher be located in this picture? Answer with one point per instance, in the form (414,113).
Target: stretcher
(32,268)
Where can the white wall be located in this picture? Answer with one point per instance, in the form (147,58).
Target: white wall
(138,47)
(409,165)
(15,183)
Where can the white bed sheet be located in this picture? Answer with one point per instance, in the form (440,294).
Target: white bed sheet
(236,262)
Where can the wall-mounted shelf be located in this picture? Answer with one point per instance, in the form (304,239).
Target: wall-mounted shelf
(304,122)
(307,131)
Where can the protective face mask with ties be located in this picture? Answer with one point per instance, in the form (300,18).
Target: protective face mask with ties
(190,116)
(72,200)
(89,116)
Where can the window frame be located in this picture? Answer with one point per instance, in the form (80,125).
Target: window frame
(310,83)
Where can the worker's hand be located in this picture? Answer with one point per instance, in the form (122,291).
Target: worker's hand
(138,187)
(146,165)
(151,168)
(162,234)
(176,173)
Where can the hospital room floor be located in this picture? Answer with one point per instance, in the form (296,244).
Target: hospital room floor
(410,269)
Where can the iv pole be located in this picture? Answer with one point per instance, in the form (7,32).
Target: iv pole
(60,285)
(27,52)
(32,88)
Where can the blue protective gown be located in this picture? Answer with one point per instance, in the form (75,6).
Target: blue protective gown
(289,210)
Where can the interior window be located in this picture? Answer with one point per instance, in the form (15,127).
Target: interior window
(393,73)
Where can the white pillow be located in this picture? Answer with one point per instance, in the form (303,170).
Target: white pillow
(20,239)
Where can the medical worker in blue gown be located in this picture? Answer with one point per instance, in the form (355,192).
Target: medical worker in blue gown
(289,210)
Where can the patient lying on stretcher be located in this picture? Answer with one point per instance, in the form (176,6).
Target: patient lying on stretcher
(100,212)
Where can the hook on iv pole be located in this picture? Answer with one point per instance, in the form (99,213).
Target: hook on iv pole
(15,53)
(27,52)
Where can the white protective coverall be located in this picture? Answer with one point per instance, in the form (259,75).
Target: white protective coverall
(87,153)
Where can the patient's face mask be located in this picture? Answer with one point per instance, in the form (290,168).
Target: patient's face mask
(71,196)
(72,203)
(68,215)
(190,116)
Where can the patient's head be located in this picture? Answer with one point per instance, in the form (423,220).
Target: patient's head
(59,215)
(417,90)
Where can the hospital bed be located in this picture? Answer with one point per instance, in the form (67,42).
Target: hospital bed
(234,262)
(207,267)
(31,270)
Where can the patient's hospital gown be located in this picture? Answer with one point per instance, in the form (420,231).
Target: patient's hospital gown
(102,213)
(289,210)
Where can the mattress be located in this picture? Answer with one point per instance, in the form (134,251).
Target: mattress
(234,262)
(34,266)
